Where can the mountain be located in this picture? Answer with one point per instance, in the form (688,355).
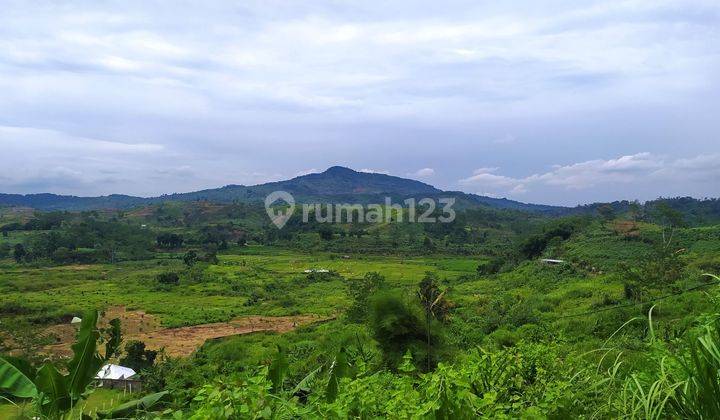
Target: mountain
(337,185)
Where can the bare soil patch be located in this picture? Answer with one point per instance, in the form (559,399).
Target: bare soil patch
(183,341)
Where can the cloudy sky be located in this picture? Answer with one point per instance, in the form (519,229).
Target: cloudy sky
(563,103)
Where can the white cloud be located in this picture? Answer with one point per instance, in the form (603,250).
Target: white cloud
(640,169)
(308,171)
(375,171)
(423,173)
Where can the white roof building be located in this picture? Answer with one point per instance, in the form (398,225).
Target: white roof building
(115,372)
(76,320)
(552,261)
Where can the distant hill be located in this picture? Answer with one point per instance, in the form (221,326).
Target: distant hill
(337,185)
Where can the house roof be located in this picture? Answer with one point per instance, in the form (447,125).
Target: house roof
(552,261)
(114,372)
(76,320)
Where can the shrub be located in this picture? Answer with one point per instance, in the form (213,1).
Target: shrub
(168,278)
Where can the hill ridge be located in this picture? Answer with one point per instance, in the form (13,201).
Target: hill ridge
(335,184)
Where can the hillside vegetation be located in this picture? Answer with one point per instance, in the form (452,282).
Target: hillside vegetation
(401,320)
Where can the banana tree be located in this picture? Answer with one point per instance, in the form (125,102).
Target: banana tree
(53,392)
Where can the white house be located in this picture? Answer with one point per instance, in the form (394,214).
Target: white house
(119,377)
(115,372)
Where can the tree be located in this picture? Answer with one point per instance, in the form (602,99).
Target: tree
(607,212)
(360,290)
(242,238)
(137,357)
(168,278)
(434,303)
(533,246)
(19,253)
(670,219)
(169,240)
(398,327)
(190,258)
(428,244)
(325,232)
(635,211)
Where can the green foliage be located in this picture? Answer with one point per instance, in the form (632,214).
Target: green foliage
(19,253)
(399,326)
(85,362)
(278,370)
(55,393)
(137,357)
(113,338)
(17,378)
(135,408)
(190,258)
(338,369)
(493,266)
(539,326)
(168,279)
(360,291)
(511,383)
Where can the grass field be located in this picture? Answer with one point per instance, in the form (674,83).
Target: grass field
(222,292)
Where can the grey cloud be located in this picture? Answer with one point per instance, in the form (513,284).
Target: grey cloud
(232,90)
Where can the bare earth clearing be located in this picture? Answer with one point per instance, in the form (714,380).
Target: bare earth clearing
(138,325)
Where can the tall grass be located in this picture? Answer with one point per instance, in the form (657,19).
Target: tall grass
(687,384)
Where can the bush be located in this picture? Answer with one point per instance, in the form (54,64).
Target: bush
(360,290)
(491,267)
(399,327)
(168,278)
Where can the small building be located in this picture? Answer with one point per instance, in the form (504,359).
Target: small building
(118,377)
(75,320)
(321,270)
(552,261)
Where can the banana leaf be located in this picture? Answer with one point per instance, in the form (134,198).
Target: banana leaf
(86,361)
(112,345)
(278,369)
(53,388)
(338,370)
(16,378)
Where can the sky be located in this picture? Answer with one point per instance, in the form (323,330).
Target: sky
(553,102)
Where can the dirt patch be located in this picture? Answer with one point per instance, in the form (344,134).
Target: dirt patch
(626,228)
(185,340)
(138,325)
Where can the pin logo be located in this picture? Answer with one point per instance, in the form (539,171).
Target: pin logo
(279,217)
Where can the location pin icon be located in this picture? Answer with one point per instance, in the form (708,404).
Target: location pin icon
(279,217)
